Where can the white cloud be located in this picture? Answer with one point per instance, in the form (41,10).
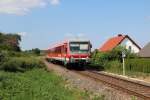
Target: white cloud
(21,7)
(54,2)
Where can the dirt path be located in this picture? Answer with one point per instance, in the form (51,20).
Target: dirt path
(77,81)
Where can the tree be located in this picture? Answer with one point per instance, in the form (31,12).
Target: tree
(115,54)
(36,51)
(10,42)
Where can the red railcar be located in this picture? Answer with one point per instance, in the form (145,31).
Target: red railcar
(73,51)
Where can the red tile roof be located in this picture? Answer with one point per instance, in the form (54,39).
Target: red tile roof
(112,43)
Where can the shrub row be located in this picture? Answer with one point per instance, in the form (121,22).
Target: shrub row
(131,65)
(138,65)
(111,61)
(14,64)
(113,66)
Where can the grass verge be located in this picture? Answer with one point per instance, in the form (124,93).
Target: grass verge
(37,84)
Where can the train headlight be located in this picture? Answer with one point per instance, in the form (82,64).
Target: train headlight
(87,59)
(71,59)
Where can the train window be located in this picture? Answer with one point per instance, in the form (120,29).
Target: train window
(84,47)
(79,47)
(74,45)
(65,50)
(130,48)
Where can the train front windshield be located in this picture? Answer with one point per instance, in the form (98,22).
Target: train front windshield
(79,47)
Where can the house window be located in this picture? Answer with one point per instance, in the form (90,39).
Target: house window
(130,48)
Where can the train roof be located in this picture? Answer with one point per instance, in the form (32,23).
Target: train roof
(78,40)
(67,41)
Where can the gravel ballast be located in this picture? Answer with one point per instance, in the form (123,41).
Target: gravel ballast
(87,84)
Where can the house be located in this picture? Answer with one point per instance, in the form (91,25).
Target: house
(120,40)
(145,52)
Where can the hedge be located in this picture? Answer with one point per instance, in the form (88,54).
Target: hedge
(113,66)
(131,65)
(138,65)
(14,64)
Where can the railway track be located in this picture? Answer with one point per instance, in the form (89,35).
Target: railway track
(132,87)
(136,88)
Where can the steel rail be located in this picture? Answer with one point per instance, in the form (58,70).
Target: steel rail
(130,87)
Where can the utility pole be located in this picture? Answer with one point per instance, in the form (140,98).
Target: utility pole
(123,62)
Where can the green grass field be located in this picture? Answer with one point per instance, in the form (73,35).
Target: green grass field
(37,84)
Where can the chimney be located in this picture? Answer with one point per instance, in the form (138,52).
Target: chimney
(120,35)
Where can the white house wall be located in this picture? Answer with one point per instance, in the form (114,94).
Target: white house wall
(127,43)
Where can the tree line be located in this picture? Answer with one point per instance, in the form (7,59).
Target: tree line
(10,42)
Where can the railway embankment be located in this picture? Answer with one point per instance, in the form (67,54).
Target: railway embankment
(91,85)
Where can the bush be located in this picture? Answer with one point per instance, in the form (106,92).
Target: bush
(36,51)
(116,53)
(10,42)
(11,65)
(6,54)
(38,84)
(98,58)
(102,59)
(138,65)
(132,66)
(3,56)
(113,66)
(21,64)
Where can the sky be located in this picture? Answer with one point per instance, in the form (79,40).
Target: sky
(44,22)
